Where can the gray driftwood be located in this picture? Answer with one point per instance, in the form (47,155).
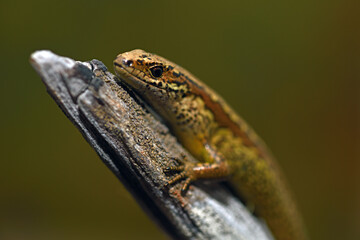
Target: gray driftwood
(137,147)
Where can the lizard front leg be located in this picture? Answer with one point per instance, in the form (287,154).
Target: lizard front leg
(215,167)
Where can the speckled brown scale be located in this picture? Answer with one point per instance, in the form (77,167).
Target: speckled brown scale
(211,131)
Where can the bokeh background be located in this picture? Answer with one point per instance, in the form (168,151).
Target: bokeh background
(290,68)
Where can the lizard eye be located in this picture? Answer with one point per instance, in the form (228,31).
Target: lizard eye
(157,71)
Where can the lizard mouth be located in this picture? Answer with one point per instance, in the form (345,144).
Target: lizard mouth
(129,75)
(132,76)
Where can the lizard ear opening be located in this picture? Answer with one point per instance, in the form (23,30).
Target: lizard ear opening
(156,71)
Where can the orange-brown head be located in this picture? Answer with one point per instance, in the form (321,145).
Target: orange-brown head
(156,79)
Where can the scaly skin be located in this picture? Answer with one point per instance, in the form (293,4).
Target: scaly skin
(211,131)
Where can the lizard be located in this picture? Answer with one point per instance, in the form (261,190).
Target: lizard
(223,143)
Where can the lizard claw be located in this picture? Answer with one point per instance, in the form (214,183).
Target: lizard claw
(177,178)
(185,186)
(185,172)
(174,169)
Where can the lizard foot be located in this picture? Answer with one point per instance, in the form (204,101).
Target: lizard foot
(184,171)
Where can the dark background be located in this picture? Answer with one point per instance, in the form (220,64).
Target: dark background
(291,69)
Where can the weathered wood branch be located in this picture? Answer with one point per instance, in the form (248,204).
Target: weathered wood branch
(136,147)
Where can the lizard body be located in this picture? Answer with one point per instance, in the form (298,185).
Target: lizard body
(212,132)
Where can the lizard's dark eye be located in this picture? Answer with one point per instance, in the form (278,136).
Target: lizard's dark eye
(156,71)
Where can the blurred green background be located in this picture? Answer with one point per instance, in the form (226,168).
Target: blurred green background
(291,69)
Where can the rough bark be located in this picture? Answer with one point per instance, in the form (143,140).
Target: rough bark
(137,147)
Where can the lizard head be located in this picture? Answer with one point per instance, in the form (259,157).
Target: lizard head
(141,69)
(158,81)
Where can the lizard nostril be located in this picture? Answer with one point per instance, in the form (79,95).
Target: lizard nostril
(127,62)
